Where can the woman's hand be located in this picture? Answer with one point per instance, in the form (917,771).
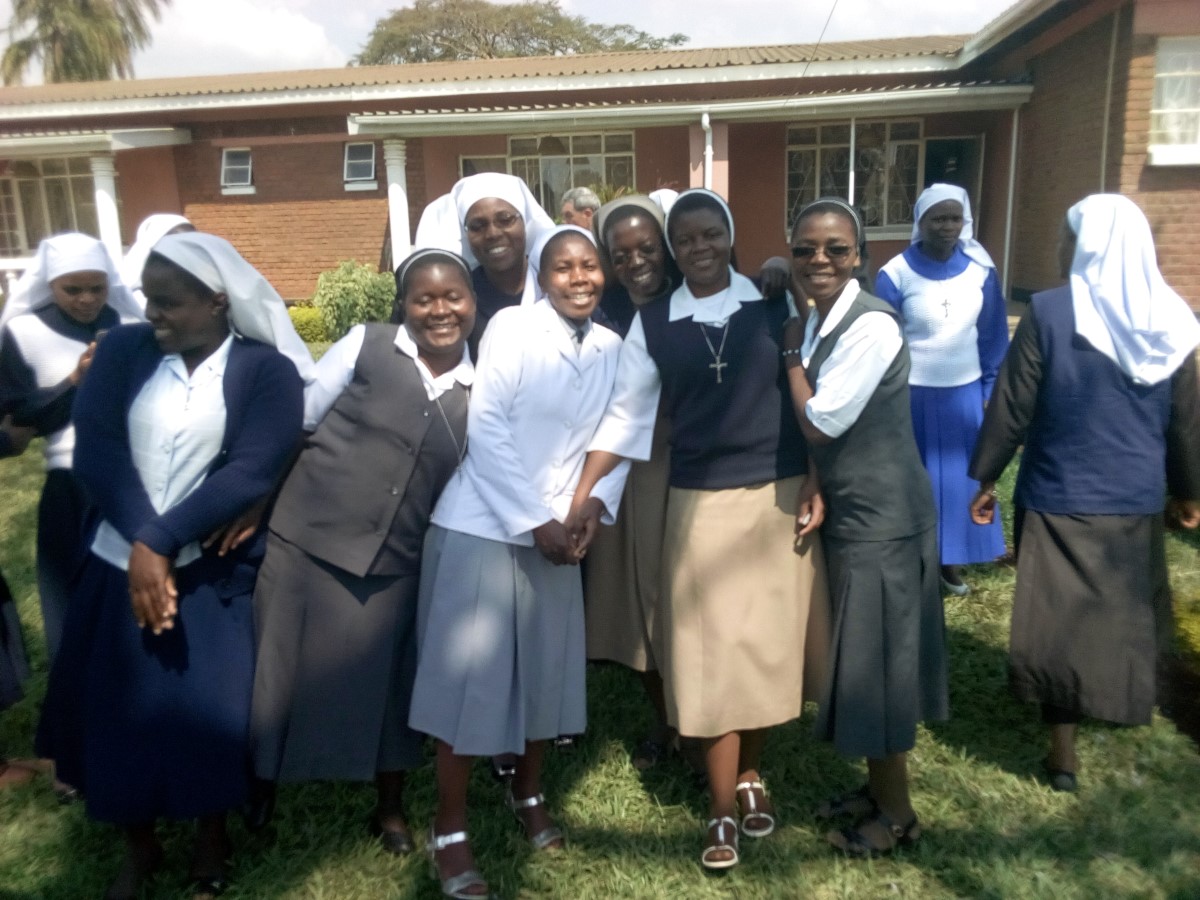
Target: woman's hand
(793,334)
(152,588)
(19,436)
(554,542)
(84,363)
(810,508)
(1183,514)
(583,524)
(234,534)
(775,276)
(983,507)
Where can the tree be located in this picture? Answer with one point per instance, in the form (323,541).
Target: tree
(77,40)
(441,30)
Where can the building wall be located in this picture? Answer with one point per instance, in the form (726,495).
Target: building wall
(758,191)
(300,221)
(146,184)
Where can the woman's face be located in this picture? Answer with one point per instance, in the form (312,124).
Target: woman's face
(81,295)
(702,248)
(824,254)
(439,309)
(496,234)
(638,256)
(185,321)
(571,276)
(940,228)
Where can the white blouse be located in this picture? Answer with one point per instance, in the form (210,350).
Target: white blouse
(176,426)
(854,368)
(534,411)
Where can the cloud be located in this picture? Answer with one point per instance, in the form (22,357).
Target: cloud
(212,37)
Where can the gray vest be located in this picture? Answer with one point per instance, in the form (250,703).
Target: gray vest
(874,484)
(364,486)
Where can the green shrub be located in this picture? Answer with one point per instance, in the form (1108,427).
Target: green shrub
(308,322)
(352,294)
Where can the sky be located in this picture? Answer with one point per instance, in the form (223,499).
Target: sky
(209,37)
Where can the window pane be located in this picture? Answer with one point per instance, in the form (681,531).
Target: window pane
(835,134)
(10,232)
(618,143)
(835,171)
(801,182)
(473,165)
(903,184)
(901,131)
(235,169)
(26,169)
(1175,118)
(79,165)
(587,170)
(523,146)
(618,171)
(586,143)
(83,192)
(54,166)
(555,181)
(802,135)
(870,172)
(31,208)
(528,171)
(58,204)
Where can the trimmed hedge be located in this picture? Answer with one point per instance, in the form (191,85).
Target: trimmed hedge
(352,294)
(309,323)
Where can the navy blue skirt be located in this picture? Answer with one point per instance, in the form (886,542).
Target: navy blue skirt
(153,726)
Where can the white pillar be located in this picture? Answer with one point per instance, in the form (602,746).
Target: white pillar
(395,159)
(104,178)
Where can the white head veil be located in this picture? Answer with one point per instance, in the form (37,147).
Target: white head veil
(255,308)
(714,200)
(935,194)
(152,229)
(539,246)
(61,255)
(1123,307)
(443,223)
(665,198)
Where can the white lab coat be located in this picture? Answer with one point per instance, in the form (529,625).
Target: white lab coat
(534,410)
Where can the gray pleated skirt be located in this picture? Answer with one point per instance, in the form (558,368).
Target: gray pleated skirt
(500,646)
(336,659)
(888,666)
(1091,613)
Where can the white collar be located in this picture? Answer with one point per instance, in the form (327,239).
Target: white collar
(714,310)
(463,373)
(840,307)
(211,367)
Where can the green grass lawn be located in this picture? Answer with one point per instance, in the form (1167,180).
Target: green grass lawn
(992,830)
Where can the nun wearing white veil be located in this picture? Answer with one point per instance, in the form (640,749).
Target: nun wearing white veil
(491,220)
(1100,387)
(184,423)
(153,229)
(61,305)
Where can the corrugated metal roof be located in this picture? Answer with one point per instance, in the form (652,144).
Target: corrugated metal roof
(594,64)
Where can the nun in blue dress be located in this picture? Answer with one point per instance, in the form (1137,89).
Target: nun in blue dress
(946,290)
(184,423)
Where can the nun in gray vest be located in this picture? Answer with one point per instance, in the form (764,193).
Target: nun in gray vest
(336,599)
(848,369)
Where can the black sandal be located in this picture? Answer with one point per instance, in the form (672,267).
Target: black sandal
(858,846)
(856,804)
(1060,779)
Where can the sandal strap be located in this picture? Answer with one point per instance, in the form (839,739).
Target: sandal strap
(720,824)
(527,803)
(546,837)
(751,799)
(456,885)
(442,841)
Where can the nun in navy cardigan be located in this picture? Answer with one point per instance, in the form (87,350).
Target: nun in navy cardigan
(149,718)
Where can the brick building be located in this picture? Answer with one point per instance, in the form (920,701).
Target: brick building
(1053,100)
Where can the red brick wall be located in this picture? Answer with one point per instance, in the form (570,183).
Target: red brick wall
(1060,144)
(758,191)
(300,221)
(146,185)
(1170,196)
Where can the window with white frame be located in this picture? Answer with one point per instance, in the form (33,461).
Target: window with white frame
(887,168)
(359,163)
(41,197)
(552,164)
(236,168)
(1175,115)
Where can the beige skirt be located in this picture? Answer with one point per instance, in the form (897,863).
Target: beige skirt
(745,618)
(622,585)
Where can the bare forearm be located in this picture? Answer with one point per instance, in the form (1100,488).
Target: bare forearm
(597,464)
(802,392)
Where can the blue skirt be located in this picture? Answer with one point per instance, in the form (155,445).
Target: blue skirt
(946,424)
(153,726)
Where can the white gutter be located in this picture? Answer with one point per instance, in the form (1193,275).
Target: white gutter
(365,95)
(1012,195)
(853,149)
(917,101)
(1108,92)
(35,145)
(706,124)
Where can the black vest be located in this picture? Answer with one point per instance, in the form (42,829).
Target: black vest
(364,486)
(874,484)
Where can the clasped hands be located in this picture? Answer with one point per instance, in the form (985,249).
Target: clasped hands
(566,543)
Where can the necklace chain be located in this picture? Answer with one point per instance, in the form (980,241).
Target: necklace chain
(717,353)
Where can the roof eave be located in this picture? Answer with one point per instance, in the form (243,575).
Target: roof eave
(892,102)
(29,146)
(359,95)
(1007,23)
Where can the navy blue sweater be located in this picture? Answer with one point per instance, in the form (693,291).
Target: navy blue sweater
(264,400)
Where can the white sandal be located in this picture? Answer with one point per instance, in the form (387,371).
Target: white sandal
(544,839)
(722,845)
(455,887)
(750,809)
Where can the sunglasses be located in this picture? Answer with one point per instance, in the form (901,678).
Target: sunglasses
(502,221)
(837,251)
